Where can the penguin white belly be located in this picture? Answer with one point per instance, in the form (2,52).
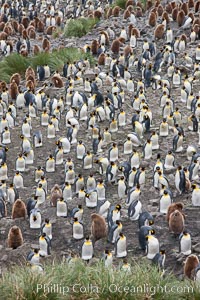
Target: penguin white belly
(35,221)
(11,196)
(139,130)
(103,211)
(190,150)
(43,247)
(104,165)
(41,196)
(80,152)
(48,231)
(142,178)
(87,163)
(195,175)
(177,181)
(196,198)
(164,130)
(18,182)
(45,120)
(152,247)
(113,127)
(32,112)
(87,252)
(78,231)
(176,80)
(156,180)
(121,190)
(128,147)
(122,120)
(35,259)
(20,101)
(91,201)
(83,114)
(114,155)
(6,138)
(130,86)
(169,163)
(154,142)
(135,161)
(133,41)
(165,202)
(121,248)
(185,246)
(61,209)
(51,132)
(20,165)
(101,193)
(67,194)
(59,158)
(26,130)
(179,145)
(50,166)
(131,179)
(70,177)
(108,262)
(116,216)
(148,151)
(197,277)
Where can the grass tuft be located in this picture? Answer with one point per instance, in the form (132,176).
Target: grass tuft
(79,27)
(16,63)
(120,3)
(80,281)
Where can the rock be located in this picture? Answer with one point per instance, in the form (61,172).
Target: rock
(4,257)
(196,248)
(154,202)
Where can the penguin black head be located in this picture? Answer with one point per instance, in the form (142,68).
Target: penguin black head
(157,168)
(75,219)
(22,136)
(165,192)
(46,221)
(43,235)
(164,120)
(179,167)
(169,152)
(40,185)
(80,206)
(193,186)
(195,161)
(107,251)
(152,231)
(162,251)
(118,207)
(138,186)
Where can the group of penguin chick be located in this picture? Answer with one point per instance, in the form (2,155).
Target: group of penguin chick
(86,105)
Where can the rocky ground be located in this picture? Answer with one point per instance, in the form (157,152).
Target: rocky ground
(63,242)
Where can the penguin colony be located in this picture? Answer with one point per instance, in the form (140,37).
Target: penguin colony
(109,139)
